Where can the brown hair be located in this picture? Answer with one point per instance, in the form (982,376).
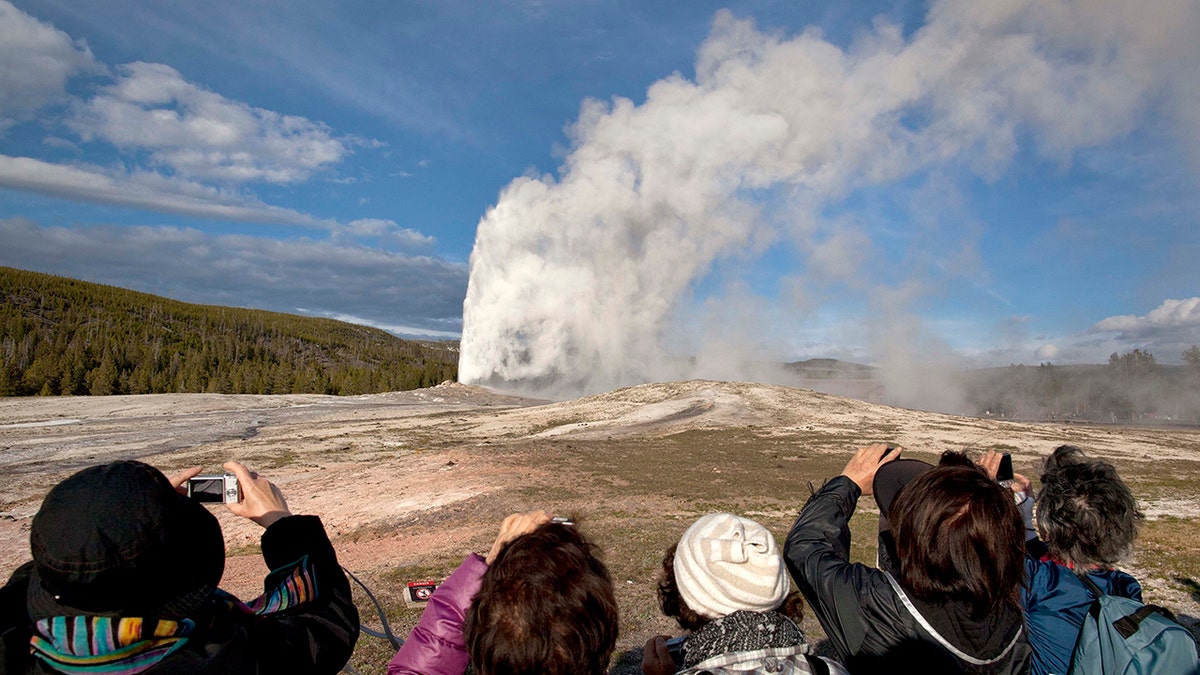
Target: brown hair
(672,603)
(545,605)
(959,536)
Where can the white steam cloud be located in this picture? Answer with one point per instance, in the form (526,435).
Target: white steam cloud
(578,281)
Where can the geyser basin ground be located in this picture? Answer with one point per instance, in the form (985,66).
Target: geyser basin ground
(408,483)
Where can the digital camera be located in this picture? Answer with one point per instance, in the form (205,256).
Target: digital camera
(675,649)
(217,489)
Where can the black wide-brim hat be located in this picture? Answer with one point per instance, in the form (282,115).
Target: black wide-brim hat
(119,540)
(892,477)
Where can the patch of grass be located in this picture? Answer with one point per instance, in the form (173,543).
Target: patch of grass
(553,424)
(1168,548)
(249,549)
(267,459)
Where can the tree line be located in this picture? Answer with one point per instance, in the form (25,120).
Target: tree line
(1131,386)
(61,336)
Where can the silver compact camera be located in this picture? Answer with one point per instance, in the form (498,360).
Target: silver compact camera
(216,489)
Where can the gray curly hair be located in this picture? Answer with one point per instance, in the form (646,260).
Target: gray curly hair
(1085,513)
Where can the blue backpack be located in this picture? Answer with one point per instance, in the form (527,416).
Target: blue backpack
(1122,636)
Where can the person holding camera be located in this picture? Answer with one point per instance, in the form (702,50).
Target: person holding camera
(541,602)
(124,580)
(725,583)
(954,603)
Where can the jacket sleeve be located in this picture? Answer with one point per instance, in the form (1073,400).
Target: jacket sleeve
(315,636)
(817,553)
(15,625)
(436,645)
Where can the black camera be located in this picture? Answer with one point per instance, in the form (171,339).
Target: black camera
(675,649)
(1005,473)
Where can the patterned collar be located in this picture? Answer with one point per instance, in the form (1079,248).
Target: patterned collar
(742,631)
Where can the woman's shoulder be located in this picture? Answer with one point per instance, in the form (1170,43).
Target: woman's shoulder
(1046,577)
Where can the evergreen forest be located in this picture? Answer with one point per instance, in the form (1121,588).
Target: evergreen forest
(61,336)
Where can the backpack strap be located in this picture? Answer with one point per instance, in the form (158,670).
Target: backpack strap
(1091,585)
(1129,624)
(817,664)
(912,609)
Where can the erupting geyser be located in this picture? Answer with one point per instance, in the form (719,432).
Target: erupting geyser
(577,279)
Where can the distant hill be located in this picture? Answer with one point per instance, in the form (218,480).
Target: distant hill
(63,336)
(830,369)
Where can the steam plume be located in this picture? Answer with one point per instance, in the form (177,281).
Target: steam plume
(579,281)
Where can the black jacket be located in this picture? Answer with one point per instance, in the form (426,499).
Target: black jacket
(315,636)
(864,616)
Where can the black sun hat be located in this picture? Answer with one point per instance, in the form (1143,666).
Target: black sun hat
(117,539)
(893,476)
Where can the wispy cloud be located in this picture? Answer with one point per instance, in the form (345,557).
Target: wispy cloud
(452,329)
(378,287)
(387,233)
(141,190)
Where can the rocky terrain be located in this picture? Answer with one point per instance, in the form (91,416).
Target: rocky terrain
(409,482)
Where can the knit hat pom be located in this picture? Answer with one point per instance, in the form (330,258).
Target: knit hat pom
(725,563)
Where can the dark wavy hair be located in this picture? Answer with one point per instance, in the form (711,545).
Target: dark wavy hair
(673,605)
(1085,513)
(959,536)
(545,605)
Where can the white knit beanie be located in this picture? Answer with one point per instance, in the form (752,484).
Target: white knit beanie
(725,563)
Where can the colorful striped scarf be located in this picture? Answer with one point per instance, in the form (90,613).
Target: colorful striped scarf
(130,645)
(106,644)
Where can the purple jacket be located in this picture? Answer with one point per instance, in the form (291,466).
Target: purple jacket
(436,646)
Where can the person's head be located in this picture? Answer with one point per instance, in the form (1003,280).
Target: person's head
(1086,514)
(723,564)
(119,540)
(959,536)
(546,605)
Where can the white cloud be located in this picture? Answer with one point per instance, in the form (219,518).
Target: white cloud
(378,287)
(388,231)
(201,134)
(36,60)
(155,192)
(143,190)
(1166,331)
(395,329)
(1047,352)
(1171,314)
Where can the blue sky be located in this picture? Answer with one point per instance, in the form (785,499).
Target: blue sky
(981,182)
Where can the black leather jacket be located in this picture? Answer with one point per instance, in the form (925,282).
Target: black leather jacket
(865,617)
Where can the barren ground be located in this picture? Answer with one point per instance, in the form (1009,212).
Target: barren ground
(408,483)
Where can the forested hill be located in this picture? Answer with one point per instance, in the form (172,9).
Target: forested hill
(63,336)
